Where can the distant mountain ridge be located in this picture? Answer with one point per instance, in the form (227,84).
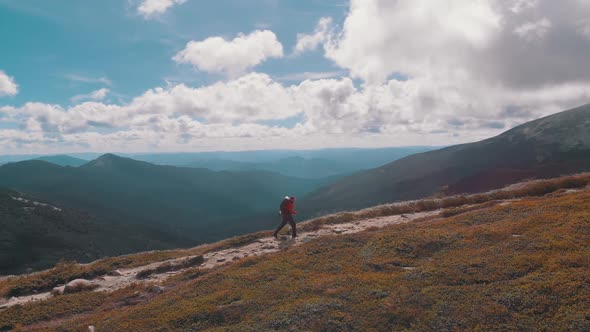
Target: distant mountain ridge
(204,204)
(314,168)
(63,160)
(550,146)
(310,164)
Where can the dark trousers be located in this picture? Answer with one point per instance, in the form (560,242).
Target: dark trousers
(287,218)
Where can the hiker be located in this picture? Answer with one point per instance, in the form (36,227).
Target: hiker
(287,211)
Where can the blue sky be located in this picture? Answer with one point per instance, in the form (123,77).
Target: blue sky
(64,47)
(190,75)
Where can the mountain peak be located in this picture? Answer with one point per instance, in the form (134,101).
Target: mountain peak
(109,160)
(109,156)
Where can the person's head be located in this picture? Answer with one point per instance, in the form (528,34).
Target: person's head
(292,199)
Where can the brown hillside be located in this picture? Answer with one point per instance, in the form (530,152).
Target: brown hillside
(552,146)
(520,265)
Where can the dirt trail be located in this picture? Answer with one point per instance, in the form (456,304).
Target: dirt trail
(262,246)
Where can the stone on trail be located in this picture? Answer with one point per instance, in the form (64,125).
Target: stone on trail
(58,290)
(115,273)
(78,285)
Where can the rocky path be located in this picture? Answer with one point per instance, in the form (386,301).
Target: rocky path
(125,277)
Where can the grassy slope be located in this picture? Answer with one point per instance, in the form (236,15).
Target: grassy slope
(517,267)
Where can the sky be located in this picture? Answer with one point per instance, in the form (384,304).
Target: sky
(190,75)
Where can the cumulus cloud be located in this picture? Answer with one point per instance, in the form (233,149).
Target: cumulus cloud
(231,57)
(7,85)
(150,8)
(465,61)
(482,39)
(382,37)
(99,94)
(332,112)
(310,42)
(243,101)
(250,98)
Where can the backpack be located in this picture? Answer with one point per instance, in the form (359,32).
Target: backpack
(285,206)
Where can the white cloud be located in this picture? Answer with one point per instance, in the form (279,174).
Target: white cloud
(7,85)
(310,42)
(518,6)
(250,98)
(533,30)
(309,75)
(381,37)
(150,8)
(332,112)
(88,79)
(233,57)
(99,94)
(211,111)
(422,38)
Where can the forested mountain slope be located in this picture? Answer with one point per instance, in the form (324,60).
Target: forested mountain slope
(35,235)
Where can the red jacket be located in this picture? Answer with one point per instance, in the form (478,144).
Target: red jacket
(288,207)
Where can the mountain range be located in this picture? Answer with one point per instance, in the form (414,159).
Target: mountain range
(203,203)
(550,146)
(311,164)
(315,168)
(114,205)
